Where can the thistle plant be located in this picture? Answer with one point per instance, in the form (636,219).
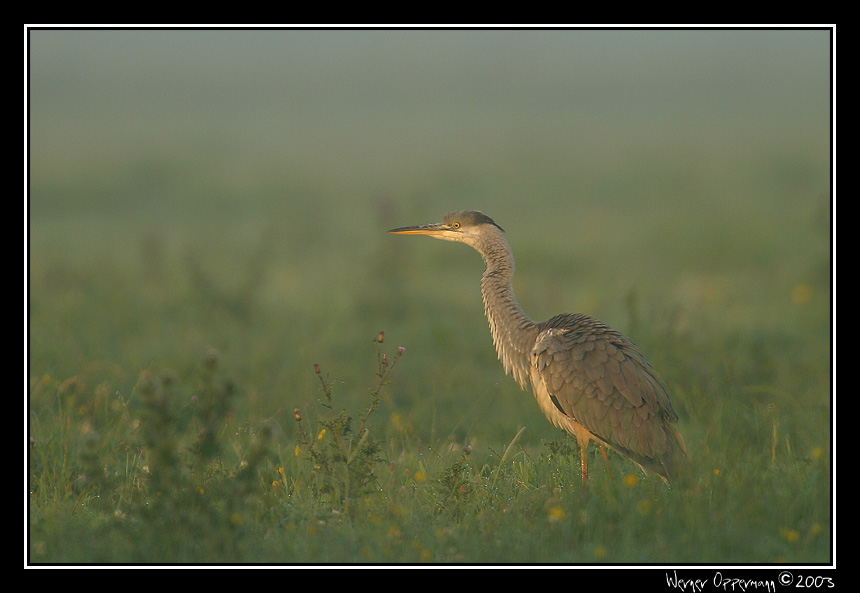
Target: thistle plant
(344,457)
(193,486)
(183,441)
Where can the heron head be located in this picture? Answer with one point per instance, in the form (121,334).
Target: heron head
(465,227)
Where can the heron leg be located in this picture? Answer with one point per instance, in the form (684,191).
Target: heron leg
(605,458)
(583,438)
(583,461)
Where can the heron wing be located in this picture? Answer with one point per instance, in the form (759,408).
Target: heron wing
(597,377)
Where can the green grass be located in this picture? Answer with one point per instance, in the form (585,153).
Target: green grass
(179,471)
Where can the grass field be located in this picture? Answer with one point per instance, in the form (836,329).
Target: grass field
(182,282)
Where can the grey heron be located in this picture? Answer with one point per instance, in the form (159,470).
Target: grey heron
(588,379)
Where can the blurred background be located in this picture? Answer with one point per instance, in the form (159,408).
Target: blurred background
(232,189)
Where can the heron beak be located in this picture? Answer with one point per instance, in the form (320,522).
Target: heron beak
(423,229)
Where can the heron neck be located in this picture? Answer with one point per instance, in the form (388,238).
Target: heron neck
(513,332)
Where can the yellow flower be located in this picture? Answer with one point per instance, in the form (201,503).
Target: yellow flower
(630,480)
(321,434)
(801,294)
(555,514)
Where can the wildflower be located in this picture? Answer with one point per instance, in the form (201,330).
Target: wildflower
(555,514)
(400,350)
(316,368)
(420,476)
(630,480)
(801,294)
(321,434)
(791,535)
(210,360)
(380,337)
(297,414)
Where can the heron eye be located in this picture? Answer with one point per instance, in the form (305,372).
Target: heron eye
(456,225)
